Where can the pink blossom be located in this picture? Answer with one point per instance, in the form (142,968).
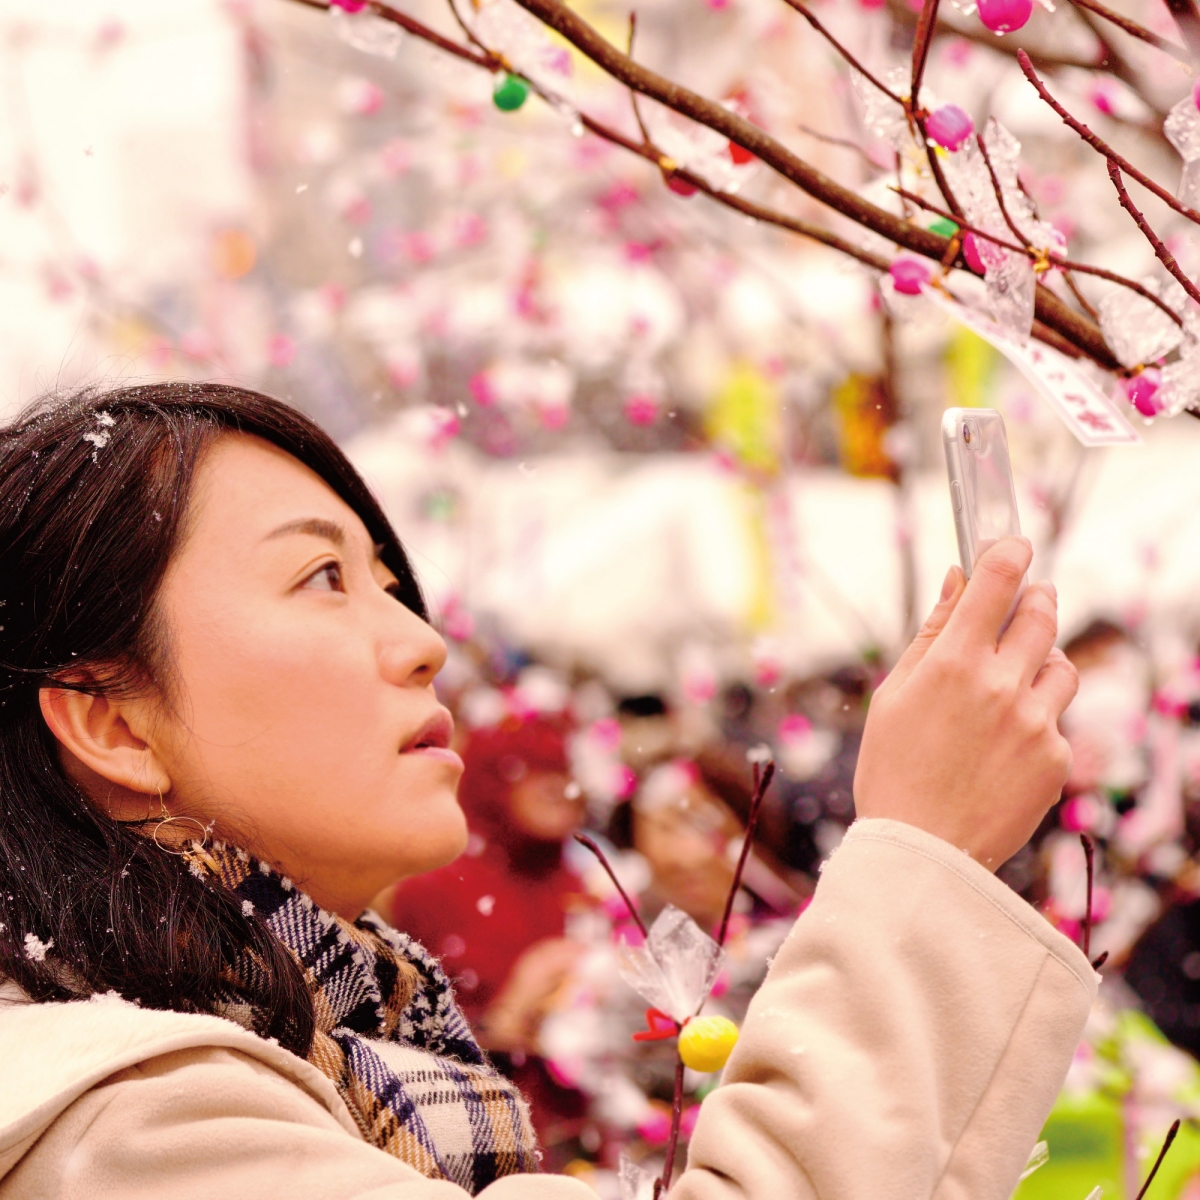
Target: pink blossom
(553,415)
(482,389)
(959,52)
(950,126)
(334,295)
(627,782)
(281,350)
(357,211)
(418,247)
(1196,93)
(396,157)
(469,229)
(641,409)
(606,733)
(794,727)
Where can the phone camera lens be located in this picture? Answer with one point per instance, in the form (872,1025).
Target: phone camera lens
(967,434)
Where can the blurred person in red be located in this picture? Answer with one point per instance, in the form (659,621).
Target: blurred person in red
(497,915)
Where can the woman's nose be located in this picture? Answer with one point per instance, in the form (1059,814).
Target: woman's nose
(411,652)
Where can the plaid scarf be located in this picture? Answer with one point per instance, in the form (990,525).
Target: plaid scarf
(389,1034)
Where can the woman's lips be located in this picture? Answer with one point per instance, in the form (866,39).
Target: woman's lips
(439,753)
(435,733)
(432,740)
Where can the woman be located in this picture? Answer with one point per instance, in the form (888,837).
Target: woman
(220,739)
(497,916)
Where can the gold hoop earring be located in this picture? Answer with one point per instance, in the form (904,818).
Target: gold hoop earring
(167,819)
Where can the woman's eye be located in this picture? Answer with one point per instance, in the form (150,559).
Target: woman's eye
(326,579)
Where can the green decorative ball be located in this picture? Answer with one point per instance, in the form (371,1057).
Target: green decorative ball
(944,226)
(510,93)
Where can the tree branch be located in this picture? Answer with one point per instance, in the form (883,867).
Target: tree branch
(1135,30)
(842,52)
(1187,18)
(920,54)
(1161,252)
(1102,147)
(1051,310)
(1063,264)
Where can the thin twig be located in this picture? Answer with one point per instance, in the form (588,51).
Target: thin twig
(1163,255)
(1135,30)
(1097,963)
(1084,302)
(996,187)
(1187,20)
(845,54)
(676,1121)
(920,54)
(584,840)
(1101,146)
(633,96)
(1158,1161)
(467,30)
(935,167)
(1063,264)
(1089,858)
(761,783)
(830,140)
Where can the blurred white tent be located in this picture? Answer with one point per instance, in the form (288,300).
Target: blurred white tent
(621,563)
(123,151)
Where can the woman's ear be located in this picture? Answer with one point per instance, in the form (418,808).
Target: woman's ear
(104,737)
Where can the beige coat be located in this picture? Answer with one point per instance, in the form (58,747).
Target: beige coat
(907,1043)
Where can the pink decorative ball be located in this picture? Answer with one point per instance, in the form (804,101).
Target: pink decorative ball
(949,126)
(1005,16)
(1142,392)
(971,253)
(679,186)
(351,6)
(909,275)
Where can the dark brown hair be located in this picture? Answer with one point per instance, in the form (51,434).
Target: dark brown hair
(94,488)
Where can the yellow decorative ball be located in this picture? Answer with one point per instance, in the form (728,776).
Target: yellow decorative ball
(706,1042)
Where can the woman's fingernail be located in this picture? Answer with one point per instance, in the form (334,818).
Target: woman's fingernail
(949,584)
(1050,588)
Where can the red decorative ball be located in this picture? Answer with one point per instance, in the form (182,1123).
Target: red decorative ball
(680,187)
(1005,16)
(739,154)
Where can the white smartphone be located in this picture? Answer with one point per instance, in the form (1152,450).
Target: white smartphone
(981,484)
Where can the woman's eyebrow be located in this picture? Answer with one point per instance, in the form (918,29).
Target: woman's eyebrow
(312,526)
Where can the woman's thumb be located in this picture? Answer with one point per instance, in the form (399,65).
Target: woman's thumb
(952,589)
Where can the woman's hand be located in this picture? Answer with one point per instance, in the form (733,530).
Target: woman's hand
(962,738)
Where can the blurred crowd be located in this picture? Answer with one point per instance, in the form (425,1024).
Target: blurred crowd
(532,930)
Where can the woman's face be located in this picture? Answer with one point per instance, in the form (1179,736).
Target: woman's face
(301,716)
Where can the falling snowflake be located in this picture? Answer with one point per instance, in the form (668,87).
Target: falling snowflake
(35,948)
